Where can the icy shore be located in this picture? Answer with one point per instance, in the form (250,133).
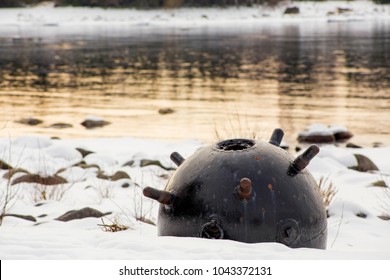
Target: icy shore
(69,17)
(357,224)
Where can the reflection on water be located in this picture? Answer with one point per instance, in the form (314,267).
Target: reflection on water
(222,82)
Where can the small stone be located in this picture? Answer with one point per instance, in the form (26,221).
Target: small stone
(361,215)
(351,145)
(147,162)
(384,217)
(364,164)
(165,111)
(86,212)
(343,10)
(35,178)
(61,125)
(380,184)
(117,176)
(30,121)
(8,175)
(125,185)
(343,136)
(316,138)
(24,217)
(84,165)
(5,166)
(128,163)
(84,152)
(94,123)
(291,11)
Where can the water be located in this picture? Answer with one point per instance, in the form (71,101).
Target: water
(221,82)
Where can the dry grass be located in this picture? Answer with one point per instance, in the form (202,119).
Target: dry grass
(49,192)
(238,126)
(328,190)
(114,225)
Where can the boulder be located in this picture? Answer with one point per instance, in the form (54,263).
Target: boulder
(86,212)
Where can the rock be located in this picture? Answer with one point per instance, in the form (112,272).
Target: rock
(361,215)
(316,138)
(128,163)
(94,122)
(117,176)
(86,212)
(5,166)
(343,136)
(291,11)
(344,10)
(125,185)
(61,125)
(8,175)
(84,152)
(147,162)
(120,175)
(384,217)
(351,145)
(30,121)
(84,165)
(380,183)
(377,144)
(165,111)
(35,178)
(24,217)
(364,164)
(320,133)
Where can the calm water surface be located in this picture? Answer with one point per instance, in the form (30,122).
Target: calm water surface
(221,82)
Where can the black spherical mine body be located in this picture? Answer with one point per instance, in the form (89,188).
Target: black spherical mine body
(244,190)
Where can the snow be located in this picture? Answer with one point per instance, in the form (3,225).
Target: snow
(50,21)
(349,236)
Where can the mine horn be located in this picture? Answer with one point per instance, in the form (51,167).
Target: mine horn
(177,158)
(276,137)
(163,197)
(303,160)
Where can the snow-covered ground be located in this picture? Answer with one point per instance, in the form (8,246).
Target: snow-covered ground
(65,19)
(355,230)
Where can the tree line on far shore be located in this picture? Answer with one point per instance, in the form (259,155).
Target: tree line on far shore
(151,3)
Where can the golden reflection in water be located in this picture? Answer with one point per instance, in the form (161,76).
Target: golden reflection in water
(205,109)
(243,98)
